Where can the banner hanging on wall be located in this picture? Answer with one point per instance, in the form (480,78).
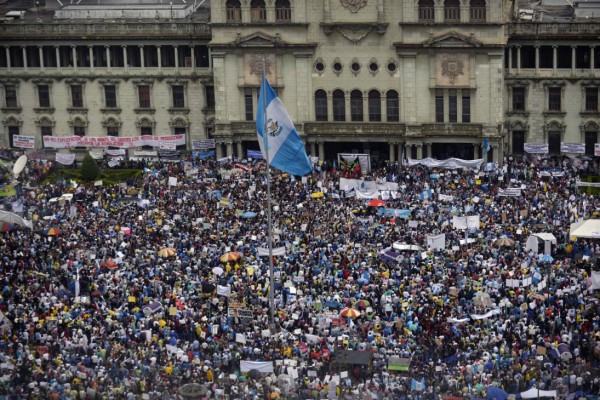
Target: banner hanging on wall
(64,142)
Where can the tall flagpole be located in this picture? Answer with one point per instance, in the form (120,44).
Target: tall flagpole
(269,216)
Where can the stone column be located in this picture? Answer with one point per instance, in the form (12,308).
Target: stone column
(240,150)
(392,157)
(57,51)
(229,149)
(476,151)
(142,61)
(107,49)
(313,149)
(74,52)
(496,155)
(91,54)
(554,58)
(573,59)
(159,55)
(419,152)
(537,59)
(219,150)
(321,151)
(8,62)
(41,54)
(518,59)
(176,50)
(193,54)
(510,57)
(125,57)
(24,51)
(592,58)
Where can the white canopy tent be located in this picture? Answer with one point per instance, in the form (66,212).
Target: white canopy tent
(534,240)
(14,219)
(589,228)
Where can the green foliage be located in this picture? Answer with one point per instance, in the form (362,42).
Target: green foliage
(89,169)
(109,177)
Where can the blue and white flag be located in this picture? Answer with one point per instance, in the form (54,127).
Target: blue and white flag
(286,150)
(417,386)
(486,146)
(426,194)
(537,276)
(488,167)
(255,154)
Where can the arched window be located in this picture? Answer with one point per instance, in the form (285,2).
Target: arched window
(426,11)
(392,106)
(234,11)
(339,105)
(374,106)
(477,10)
(258,11)
(356,105)
(321,105)
(591,138)
(283,11)
(13,127)
(452,10)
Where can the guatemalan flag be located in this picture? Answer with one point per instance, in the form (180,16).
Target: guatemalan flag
(286,150)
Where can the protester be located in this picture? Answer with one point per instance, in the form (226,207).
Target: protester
(99,310)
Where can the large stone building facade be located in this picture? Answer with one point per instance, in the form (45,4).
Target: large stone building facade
(411,78)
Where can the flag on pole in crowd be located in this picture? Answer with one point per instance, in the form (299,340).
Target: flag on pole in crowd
(417,385)
(426,194)
(286,150)
(486,145)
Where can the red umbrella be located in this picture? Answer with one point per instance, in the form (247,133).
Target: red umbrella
(350,313)
(376,203)
(52,232)
(111,264)
(6,226)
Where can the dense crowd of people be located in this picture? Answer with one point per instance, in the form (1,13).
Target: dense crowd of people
(129,296)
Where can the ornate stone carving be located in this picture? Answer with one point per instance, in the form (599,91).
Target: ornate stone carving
(354,5)
(452,67)
(255,63)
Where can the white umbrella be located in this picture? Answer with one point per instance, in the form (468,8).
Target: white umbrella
(217,271)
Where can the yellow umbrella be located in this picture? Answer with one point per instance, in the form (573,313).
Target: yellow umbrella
(317,195)
(231,256)
(350,312)
(167,252)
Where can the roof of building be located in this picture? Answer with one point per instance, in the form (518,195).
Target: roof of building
(100,10)
(557,10)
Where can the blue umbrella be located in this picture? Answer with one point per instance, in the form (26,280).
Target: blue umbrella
(547,258)
(333,304)
(249,214)
(494,393)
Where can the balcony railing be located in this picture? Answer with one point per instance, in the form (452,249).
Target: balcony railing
(451,129)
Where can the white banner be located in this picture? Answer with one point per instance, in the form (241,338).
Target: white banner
(536,148)
(595,280)
(224,290)
(437,242)
(577,148)
(114,163)
(264,367)
(24,142)
(203,144)
(97,154)
(65,158)
(486,315)
(469,222)
(445,197)
(63,142)
(278,251)
(510,192)
(450,163)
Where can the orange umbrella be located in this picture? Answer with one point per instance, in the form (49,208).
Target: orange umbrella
(110,263)
(349,312)
(231,256)
(52,232)
(167,252)
(376,203)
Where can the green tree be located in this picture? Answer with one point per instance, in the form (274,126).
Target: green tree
(89,169)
